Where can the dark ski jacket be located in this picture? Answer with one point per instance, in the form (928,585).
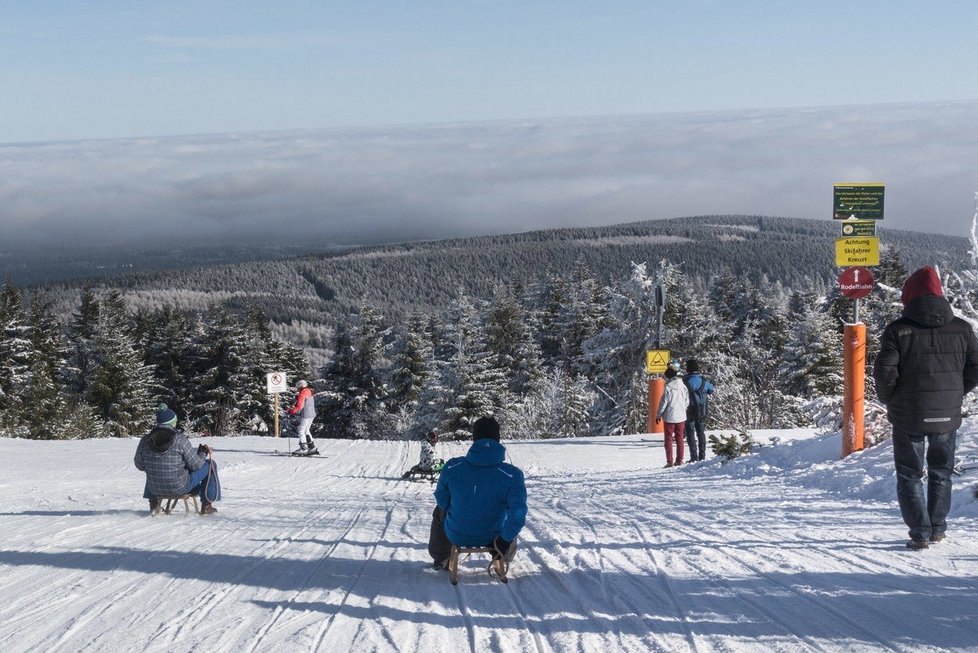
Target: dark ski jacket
(699,401)
(167,457)
(928,361)
(481,496)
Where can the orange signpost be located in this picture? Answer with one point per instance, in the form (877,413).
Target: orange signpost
(854,358)
(657,386)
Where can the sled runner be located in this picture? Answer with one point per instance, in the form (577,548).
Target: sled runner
(167,504)
(418,473)
(498,566)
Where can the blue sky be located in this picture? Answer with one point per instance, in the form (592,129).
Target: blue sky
(376,121)
(112,69)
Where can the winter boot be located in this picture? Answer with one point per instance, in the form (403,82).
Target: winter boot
(313,451)
(154,506)
(207,508)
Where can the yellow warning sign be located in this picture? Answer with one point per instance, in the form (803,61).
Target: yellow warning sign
(862,251)
(656,361)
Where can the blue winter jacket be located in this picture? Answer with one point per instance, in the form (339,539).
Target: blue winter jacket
(481,496)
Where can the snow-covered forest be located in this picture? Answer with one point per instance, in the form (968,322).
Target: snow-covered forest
(561,358)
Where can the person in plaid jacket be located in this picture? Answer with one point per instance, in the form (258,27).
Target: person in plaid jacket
(173,467)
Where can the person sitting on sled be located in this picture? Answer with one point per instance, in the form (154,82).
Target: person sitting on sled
(173,467)
(428,464)
(481,500)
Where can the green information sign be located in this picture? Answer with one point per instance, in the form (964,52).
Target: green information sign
(859,228)
(857,201)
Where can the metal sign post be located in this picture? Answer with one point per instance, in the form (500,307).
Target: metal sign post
(655,364)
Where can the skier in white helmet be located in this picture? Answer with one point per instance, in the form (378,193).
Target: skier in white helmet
(305,408)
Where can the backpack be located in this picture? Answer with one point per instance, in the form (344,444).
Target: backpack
(698,400)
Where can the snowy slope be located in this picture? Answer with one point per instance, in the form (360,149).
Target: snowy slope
(788,549)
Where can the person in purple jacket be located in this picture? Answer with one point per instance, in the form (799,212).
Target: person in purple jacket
(481,499)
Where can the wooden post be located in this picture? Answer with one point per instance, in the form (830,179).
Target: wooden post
(854,356)
(276,414)
(657,386)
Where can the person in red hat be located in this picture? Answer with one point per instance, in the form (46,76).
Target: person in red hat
(928,361)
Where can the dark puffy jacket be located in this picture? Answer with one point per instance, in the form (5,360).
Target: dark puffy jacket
(481,496)
(928,361)
(167,457)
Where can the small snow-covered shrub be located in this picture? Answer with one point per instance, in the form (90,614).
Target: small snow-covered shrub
(729,447)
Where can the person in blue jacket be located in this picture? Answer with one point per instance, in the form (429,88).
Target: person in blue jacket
(699,391)
(481,499)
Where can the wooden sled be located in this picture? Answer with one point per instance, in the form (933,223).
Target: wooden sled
(498,566)
(167,504)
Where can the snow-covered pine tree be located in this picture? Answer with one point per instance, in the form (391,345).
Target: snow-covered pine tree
(435,395)
(692,327)
(463,362)
(581,316)
(617,353)
(812,362)
(354,391)
(413,363)
(511,343)
(551,297)
(120,384)
(225,379)
(15,360)
(49,412)
(81,335)
(170,348)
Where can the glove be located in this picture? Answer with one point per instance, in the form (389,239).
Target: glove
(500,547)
(203,449)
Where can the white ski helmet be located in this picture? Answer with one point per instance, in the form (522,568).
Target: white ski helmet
(301,384)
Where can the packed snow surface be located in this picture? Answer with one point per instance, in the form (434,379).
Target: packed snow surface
(787,549)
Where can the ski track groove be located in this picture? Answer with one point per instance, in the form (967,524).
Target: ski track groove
(324,631)
(652,638)
(677,525)
(268,627)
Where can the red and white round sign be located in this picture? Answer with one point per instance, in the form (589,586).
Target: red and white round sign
(856,282)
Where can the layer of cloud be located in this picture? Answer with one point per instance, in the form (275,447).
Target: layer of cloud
(433,181)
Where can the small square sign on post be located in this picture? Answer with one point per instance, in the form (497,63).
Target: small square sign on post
(656,361)
(276,382)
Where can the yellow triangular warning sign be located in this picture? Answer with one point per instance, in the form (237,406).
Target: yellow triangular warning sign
(656,361)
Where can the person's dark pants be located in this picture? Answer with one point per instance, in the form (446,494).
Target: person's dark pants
(439,548)
(696,434)
(926,516)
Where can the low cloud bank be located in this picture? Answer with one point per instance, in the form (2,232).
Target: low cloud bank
(433,181)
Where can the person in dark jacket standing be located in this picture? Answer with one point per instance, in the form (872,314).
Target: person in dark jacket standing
(173,467)
(928,361)
(699,391)
(481,499)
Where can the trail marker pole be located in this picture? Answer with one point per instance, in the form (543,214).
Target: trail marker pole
(656,362)
(854,283)
(853,402)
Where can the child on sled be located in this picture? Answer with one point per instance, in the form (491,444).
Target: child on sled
(428,465)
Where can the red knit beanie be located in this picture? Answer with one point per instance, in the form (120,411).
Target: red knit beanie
(922,282)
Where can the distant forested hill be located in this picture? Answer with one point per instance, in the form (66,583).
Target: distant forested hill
(304,297)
